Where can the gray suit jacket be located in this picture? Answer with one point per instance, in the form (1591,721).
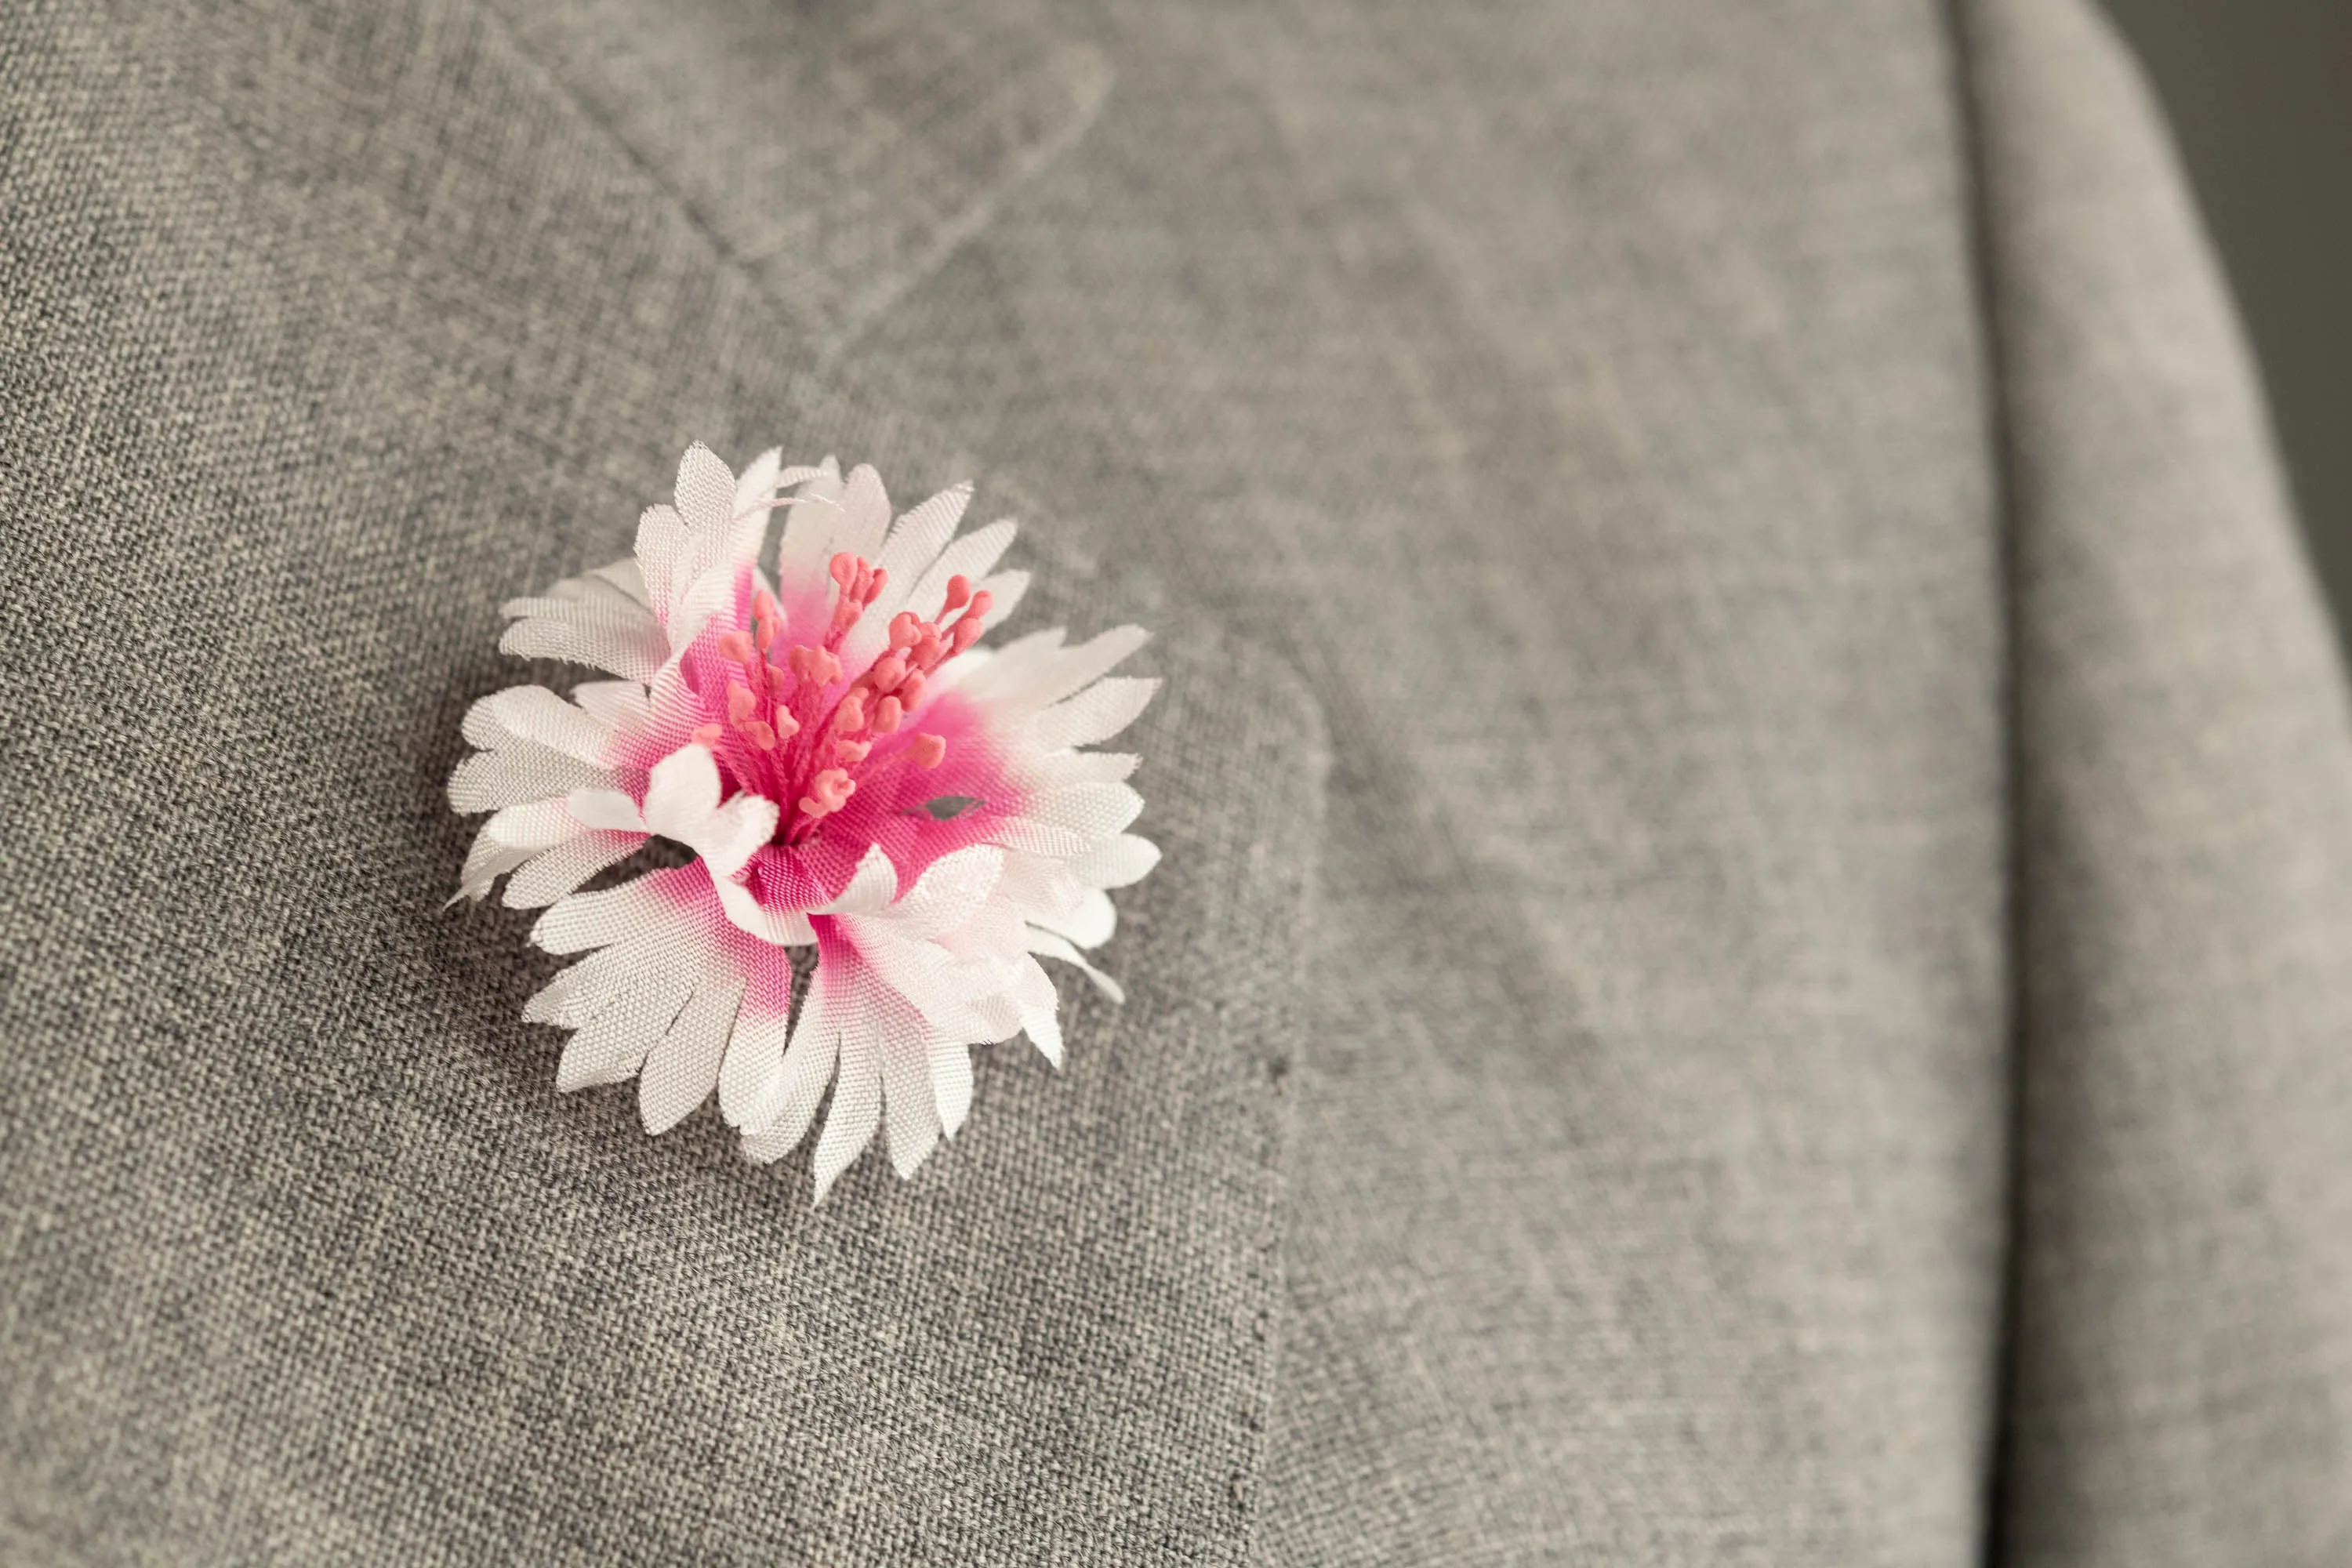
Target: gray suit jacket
(1755,954)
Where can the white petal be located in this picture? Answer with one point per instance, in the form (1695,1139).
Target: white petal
(809,529)
(952,1083)
(619,585)
(1053,946)
(609,810)
(684,1067)
(1005,591)
(1044,1031)
(535,713)
(1067,670)
(1097,713)
(539,824)
(586,988)
(590,588)
(1040,1004)
(784,928)
(710,591)
(936,982)
(682,804)
(760,478)
(510,837)
(1120,861)
(755,494)
(1081,767)
(873,887)
(915,543)
(986,674)
(681,793)
(601,918)
(676,710)
(624,575)
(910,1104)
(949,891)
(517,772)
(609,1048)
(706,492)
(480,727)
(1000,1015)
(661,536)
(619,636)
(969,557)
(1071,820)
(1035,886)
(619,705)
(551,876)
(731,836)
(856,1110)
(779,1114)
(755,1055)
(1089,925)
(865,514)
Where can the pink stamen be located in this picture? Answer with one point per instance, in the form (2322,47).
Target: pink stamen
(709,734)
(834,735)
(817,665)
(828,791)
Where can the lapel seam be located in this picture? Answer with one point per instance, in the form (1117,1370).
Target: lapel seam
(867,307)
(870,305)
(723,253)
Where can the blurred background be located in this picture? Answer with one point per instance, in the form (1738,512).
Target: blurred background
(2260,93)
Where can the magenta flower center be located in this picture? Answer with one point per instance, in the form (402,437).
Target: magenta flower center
(797,728)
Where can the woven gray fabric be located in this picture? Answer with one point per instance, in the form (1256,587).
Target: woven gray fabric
(1731,640)
(2181,1383)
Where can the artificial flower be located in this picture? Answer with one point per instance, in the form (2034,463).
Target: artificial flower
(862,786)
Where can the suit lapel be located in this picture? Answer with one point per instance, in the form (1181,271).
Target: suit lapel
(506,271)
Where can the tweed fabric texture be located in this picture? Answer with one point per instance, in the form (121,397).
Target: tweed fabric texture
(1730,642)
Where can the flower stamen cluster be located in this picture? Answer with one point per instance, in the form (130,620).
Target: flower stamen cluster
(791,736)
